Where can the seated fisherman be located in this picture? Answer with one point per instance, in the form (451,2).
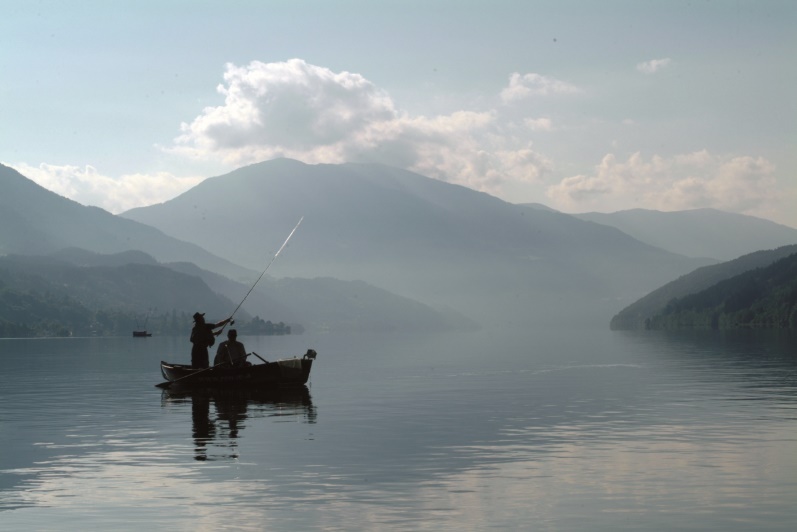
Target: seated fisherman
(231,353)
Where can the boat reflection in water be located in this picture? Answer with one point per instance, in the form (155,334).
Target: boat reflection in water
(219,415)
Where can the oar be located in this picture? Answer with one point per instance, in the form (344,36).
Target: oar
(169,383)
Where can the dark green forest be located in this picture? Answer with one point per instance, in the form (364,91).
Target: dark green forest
(639,314)
(760,298)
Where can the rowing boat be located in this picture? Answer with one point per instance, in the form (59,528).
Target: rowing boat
(280,373)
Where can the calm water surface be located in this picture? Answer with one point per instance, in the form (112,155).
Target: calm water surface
(544,430)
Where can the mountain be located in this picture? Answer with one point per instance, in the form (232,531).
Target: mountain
(441,244)
(104,260)
(35,221)
(763,298)
(639,314)
(700,232)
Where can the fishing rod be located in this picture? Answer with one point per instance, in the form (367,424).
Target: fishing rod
(264,271)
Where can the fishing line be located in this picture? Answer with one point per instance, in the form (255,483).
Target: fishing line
(267,267)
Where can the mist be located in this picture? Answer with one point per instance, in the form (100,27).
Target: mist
(443,245)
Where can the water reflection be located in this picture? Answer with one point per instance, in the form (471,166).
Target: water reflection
(750,365)
(218,416)
(584,431)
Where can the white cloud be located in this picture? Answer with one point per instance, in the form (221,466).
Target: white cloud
(294,109)
(532,84)
(700,179)
(653,66)
(278,109)
(298,110)
(88,187)
(306,112)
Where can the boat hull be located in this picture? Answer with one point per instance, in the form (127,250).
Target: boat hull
(282,373)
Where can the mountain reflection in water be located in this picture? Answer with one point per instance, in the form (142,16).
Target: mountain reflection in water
(219,415)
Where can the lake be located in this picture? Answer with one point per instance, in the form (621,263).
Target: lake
(532,430)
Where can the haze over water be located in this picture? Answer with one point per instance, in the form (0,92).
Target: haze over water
(544,430)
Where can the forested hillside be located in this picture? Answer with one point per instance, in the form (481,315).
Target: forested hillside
(46,296)
(761,298)
(638,314)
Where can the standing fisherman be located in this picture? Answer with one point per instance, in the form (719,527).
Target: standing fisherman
(203,336)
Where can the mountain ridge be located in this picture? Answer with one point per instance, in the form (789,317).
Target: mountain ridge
(441,244)
(698,232)
(36,221)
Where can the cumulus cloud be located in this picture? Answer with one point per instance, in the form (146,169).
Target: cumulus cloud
(310,113)
(275,109)
(694,180)
(89,187)
(653,66)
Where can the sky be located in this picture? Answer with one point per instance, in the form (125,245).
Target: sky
(579,105)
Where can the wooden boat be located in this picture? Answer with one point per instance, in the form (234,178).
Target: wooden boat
(141,334)
(286,372)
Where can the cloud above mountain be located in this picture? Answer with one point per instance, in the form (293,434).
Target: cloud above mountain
(307,112)
(316,115)
(700,179)
(88,186)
